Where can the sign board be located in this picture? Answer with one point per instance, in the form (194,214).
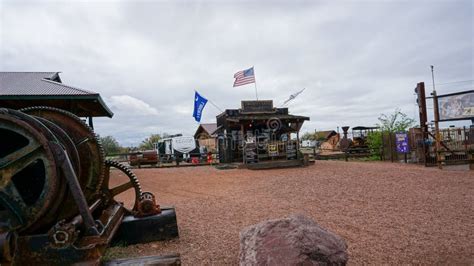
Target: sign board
(272,150)
(401,140)
(456,106)
(257,106)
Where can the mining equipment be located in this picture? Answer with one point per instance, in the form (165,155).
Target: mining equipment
(358,143)
(58,205)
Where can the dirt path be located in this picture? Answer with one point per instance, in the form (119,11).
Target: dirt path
(388,213)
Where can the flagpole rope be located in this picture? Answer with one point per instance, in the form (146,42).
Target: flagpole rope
(215,105)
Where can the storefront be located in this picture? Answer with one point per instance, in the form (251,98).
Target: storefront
(258,132)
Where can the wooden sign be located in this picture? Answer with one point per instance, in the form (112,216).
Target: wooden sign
(257,106)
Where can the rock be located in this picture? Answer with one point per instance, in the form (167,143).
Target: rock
(296,240)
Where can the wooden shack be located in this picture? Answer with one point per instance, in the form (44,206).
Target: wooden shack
(206,136)
(259,135)
(329,139)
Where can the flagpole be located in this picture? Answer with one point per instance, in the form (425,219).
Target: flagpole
(255,83)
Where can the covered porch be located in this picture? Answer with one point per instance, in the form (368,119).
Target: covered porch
(259,137)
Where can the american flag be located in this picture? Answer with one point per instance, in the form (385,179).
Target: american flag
(244,77)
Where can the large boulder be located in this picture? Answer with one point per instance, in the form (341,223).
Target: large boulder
(296,240)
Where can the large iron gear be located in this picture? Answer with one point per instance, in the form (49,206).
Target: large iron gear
(30,183)
(86,142)
(59,204)
(110,193)
(91,168)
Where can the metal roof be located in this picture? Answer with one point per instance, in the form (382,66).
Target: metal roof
(24,89)
(209,128)
(36,83)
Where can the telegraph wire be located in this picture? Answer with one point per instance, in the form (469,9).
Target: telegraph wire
(453,82)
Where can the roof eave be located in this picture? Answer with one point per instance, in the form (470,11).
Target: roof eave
(110,114)
(97,97)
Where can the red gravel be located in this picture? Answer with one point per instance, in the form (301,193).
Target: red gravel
(387,212)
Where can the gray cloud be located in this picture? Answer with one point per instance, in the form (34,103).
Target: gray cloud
(357,59)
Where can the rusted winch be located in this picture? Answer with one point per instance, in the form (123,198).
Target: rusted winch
(57,205)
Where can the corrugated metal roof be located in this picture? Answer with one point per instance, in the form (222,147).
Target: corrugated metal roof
(24,89)
(209,128)
(36,83)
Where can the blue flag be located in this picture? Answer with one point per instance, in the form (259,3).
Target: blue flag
(199,103)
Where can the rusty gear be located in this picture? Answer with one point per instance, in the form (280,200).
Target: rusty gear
(110,193)
(86,142)
(79,142)
(30,183)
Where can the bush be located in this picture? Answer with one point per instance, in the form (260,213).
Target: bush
(374,141)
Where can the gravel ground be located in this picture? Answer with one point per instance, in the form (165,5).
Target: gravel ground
(387,212)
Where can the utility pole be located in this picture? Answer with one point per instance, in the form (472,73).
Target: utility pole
(436,121)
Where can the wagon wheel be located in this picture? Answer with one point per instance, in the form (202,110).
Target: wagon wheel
(111,192)
(29,181)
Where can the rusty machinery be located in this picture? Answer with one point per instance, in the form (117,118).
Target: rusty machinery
(345,142)
(358,143)
(57,204)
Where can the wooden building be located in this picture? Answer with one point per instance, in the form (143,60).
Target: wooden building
(259,133)
(206,136)
(329,139)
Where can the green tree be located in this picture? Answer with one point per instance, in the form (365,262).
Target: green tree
(148,143)
(395,122)
(374,141)
(110,145)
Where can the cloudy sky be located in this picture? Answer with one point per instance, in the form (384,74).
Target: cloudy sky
(356,59)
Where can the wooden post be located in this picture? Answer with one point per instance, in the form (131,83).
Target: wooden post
(420,91)
(437,135)
(91,124)
(436,121)
(382,153)
(424,136)
(390,146)
(297,140)
(243,143)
